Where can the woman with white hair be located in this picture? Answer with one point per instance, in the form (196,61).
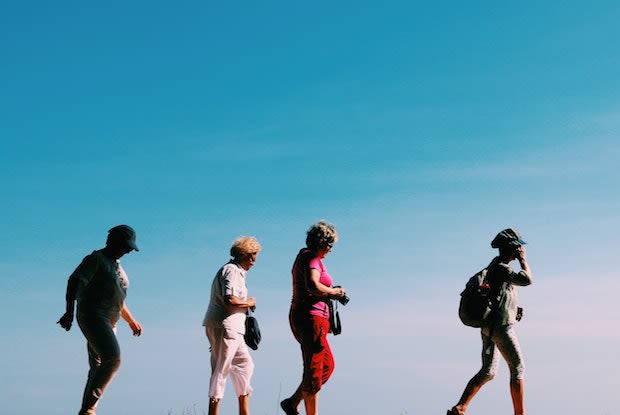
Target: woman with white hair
(224,324)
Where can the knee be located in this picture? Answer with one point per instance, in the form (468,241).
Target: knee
(112,362)
(488,377)
(484,377)
(517,372)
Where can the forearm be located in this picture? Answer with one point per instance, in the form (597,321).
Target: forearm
(525,276)
(238,302)
(525,267)
(67,319)
(70,295)
(129,318)
(318,289)
(321,290)
(126,314)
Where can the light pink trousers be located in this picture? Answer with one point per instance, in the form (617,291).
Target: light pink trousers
(229,356)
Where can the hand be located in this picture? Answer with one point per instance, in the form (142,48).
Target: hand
(252,303)
(66,320)
(521,255)
(135,327)
(338,292)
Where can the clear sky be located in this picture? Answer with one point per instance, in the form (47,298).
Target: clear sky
(419,129)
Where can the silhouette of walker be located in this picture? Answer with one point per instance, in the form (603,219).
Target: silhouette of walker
(499,334)
(99,286)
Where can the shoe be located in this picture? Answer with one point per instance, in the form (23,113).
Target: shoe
(453,411)
(288,408)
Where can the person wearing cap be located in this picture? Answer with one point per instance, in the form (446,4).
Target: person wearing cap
(224,323)
(99,286)
(499,335)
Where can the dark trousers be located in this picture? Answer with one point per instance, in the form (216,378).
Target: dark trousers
(104,358)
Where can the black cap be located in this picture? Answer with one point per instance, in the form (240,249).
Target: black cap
(507,238)
(125,233)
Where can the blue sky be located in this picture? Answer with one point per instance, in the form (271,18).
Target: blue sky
(419,130)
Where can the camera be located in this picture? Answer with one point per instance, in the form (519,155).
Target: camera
(344,300)
(519,313)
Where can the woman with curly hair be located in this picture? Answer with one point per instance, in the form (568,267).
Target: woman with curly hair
(224,324)
(309,316)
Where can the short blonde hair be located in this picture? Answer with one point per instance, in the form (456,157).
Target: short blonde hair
(243,246)
(320,235)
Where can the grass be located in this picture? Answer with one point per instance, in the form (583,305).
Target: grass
(193,410)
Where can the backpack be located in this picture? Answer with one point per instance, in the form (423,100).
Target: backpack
(475,306)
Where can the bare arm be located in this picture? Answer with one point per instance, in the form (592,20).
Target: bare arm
(234,301)
(525,268)
(82,274)
(318,289)
(67,319)
(133,323)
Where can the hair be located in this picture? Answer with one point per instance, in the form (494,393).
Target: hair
(115,239)
(320,235)
(244,245)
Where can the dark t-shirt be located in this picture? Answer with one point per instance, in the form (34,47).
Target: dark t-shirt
(102,286)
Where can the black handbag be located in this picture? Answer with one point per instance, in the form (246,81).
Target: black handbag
(252,334)
(334,317)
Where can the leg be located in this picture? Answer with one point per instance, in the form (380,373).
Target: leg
(490,361)
(244,405)
(328,362)
(214,336)
(471,389)
(214,406)
(318,362)
(311,402)
(242,368)
(516,392)
(290,406)
(318,359)
(508,344)
(223,349)
(94,362)
(104,357)
(299,327)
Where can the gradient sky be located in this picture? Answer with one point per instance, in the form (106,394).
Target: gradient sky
(420,130)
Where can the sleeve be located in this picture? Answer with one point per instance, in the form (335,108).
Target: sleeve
(87,269)
(521,278)
(229,281)
(315,263)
